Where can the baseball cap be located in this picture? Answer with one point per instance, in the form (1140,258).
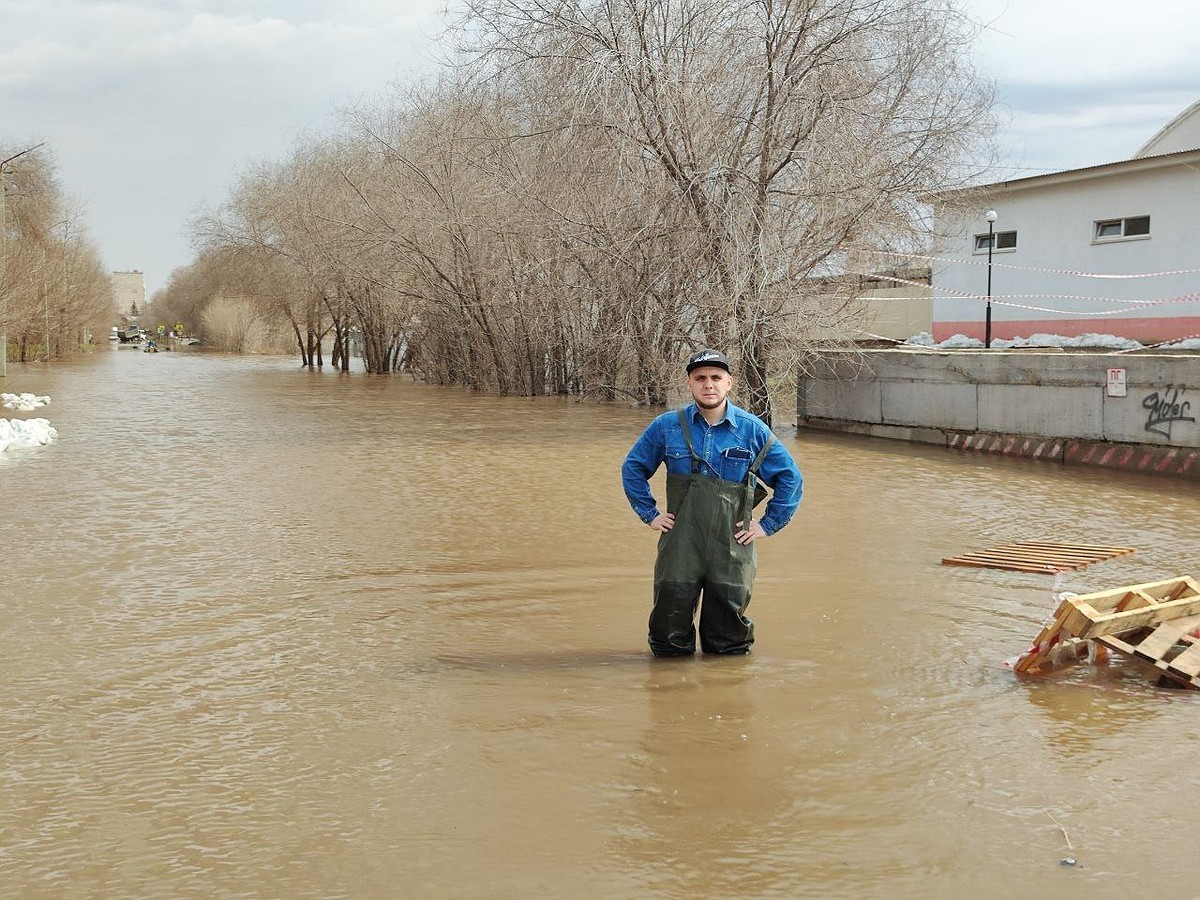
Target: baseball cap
(707,357)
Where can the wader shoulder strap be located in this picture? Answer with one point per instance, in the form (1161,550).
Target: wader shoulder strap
(698,462)
(754,492)
(687,430)
(762,454)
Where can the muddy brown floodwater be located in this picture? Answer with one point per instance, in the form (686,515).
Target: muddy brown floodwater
(269,633)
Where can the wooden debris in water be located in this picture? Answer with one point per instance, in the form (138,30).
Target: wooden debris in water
(1038,556)
(1156,624)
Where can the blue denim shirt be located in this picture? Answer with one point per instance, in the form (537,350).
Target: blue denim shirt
(727,449)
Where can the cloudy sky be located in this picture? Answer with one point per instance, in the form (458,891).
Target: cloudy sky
(152,108)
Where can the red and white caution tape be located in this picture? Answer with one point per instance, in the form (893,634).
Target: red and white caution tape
(957,260)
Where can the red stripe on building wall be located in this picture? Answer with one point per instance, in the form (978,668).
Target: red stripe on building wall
(1146,329)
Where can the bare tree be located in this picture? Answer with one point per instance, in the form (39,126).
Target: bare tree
(785,128)
(530,270)
(232,324)
(56,299)
(599,187)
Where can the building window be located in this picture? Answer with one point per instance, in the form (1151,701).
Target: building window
(1118,229)
(1005,240)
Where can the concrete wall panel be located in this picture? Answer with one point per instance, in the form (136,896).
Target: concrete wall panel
(1162,414)
(856,401)
(929,405)
(1042,410)
(1043,394)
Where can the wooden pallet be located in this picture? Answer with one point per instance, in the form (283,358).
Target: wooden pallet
(1172,649)
(1043,557)
(1157,623)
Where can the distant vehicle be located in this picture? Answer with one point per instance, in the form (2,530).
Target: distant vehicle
(130,334)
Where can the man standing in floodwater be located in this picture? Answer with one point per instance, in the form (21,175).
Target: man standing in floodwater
(715,454)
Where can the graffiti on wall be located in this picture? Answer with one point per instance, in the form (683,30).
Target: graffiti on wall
(1164,408)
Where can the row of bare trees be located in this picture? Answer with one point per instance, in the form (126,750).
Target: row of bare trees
(55,297)
(592,188)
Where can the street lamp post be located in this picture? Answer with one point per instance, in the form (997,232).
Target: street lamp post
(987,326)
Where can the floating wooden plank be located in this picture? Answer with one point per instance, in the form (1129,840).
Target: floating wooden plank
(1038,556)
(1157,623)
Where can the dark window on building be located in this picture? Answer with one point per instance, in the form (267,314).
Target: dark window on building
(1005,240)
(1114,229)
(1137,225)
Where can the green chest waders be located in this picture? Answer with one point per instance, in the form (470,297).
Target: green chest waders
(700,556)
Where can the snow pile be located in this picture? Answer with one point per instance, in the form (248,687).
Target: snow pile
(1100,341)
(25,433)
(23,402)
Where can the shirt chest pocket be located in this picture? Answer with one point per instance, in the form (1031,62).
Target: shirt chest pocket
(735,462)
(679,460)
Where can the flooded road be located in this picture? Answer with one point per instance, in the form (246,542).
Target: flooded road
(268,633)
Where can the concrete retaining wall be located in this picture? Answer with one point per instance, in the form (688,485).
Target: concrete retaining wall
(1071,407)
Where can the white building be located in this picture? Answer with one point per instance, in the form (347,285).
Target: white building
(1109,249)
(129,291)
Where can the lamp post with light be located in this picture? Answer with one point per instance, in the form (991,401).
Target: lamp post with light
(991,217)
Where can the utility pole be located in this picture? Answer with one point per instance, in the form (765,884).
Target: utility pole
(4,260)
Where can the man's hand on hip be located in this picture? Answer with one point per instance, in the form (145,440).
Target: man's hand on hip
(749,535)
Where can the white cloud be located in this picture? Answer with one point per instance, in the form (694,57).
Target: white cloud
(1081,43)
(205,34)
(152,109)
(1085,83)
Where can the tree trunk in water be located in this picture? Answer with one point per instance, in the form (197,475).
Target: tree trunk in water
(753,376)
(758,399)
(305,358)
